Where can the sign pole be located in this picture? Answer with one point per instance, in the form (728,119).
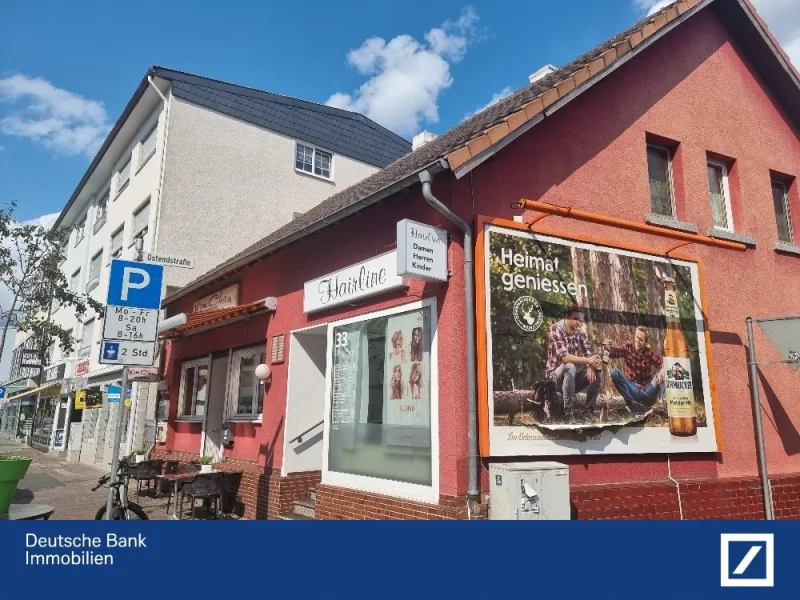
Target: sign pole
(120,416)
(762,452)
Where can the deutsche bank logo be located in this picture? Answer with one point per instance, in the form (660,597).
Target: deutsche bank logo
(747,559)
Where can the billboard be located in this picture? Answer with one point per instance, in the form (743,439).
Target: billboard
(590,349)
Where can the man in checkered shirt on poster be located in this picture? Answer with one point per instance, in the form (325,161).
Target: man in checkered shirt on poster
(571,363)
(637,384)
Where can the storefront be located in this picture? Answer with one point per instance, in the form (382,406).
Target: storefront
(99,419)
(365,389)
(51,416)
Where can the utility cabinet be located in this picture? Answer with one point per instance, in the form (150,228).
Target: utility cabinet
(533,491)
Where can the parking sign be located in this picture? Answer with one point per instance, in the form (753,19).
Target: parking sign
(132,313)
(135,284)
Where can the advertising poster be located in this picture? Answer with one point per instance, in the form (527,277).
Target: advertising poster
(625,372)
(407,389)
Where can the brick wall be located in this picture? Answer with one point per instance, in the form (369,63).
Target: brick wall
(296,486)
(338,503)
(720,499)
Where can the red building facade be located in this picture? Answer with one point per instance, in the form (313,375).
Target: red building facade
(700,82)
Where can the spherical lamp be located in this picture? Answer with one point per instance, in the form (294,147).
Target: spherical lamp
(263,372)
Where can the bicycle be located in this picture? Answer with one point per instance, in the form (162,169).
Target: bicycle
(122,509)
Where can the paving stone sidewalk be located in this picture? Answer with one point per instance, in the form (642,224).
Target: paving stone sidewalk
(68,486)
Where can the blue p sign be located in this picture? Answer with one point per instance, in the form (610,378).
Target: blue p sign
(135,284)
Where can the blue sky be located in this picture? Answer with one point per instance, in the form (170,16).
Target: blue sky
(67,69)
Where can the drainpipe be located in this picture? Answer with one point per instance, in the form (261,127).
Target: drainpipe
(473,490)
(157,205)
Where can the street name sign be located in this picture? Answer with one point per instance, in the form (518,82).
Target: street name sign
(169,261)
(133,308)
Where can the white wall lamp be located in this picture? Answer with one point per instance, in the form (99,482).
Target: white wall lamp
(264,373)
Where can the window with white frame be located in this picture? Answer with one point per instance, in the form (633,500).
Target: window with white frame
(783,218)
(124,176)
(141,222)
(313,160)
(659,171)
(102,211)
(86,339)
(94,271)
(719,191)
(194,387)
(116,242)
(382,405)
(148,147)
(245,392)
(80,230)
(75,282)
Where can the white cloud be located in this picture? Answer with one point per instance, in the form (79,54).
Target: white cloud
(496,97)
(407,76)
(782,17)
(59,120)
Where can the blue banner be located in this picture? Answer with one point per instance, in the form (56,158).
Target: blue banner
(372,560)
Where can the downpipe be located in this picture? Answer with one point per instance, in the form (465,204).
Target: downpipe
(473,488)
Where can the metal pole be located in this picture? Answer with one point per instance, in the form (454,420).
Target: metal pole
(760,448)
(121,412)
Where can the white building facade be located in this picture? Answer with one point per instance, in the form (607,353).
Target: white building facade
(196,168)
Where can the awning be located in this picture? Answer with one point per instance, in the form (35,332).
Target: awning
(203,321)
(35,390)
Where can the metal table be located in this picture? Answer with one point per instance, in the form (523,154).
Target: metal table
(28,512)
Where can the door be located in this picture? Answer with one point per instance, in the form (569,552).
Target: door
(216,408)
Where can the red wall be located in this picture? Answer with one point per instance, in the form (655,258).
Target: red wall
(283,275)
(693,87)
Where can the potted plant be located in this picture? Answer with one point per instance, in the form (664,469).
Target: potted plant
(205,464)
(12,471)
(141,454)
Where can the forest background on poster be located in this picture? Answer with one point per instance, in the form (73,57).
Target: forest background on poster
(623,292)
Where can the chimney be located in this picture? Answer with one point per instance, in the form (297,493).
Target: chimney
(422,138)
(543,72)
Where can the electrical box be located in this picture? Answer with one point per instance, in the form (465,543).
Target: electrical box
(227,434)
(534,491)
(161,432)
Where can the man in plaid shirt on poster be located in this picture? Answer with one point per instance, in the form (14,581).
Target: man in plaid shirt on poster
(571,363)
(638,386)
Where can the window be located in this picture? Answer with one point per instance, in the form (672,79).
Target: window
(194,387)
(141,220)
(382,405)
(124,177)
(94,271)
(116,242)
(102,212)
(246,396)
(86,339)
(721,214)
(780,200)
(148,146)
(75,281)
(659,170)
(313,160)
(80,230)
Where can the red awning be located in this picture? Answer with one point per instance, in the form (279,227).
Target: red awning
(202,321)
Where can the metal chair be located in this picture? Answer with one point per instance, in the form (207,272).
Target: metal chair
(203,487)
(179,468)
(143,471)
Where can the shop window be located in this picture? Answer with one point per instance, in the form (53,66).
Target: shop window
(382,406)
(245,393)
(720,195)
(783,218)
(194,388)
(659,170)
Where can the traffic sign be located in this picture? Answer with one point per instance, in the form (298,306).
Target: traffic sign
(134,324)
(121,352)
(2,392)
(135,284)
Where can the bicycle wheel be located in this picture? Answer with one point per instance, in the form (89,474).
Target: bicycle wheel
(135,513)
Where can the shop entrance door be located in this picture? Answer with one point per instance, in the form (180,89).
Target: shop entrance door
(305,400)
(215,407)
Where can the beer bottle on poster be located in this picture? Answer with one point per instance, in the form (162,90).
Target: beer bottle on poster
(677,369)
